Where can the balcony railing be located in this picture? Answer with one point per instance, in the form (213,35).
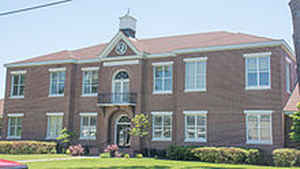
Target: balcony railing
(117,98)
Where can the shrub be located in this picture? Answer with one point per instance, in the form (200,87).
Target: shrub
(180,153)
(254,156)
(113,150)
(221,155)
(105,155)
(162,154)
(285,157)
(126,156)
(27,147)
(139,155)
(76,150)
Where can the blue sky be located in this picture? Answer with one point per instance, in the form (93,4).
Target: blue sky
(83,23)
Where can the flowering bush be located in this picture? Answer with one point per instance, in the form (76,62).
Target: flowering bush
(113,150)
(76,150)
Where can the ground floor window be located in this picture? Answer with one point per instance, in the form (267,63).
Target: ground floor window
(55,125)
(88,125)
(14,126)
(259,127)
(195,126)
(162,126)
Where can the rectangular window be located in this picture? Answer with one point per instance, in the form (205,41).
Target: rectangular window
(195,74)
(195,126)
(90,83)
(17,87)
(88,126)
(162,126)
(14,127)
(55,125)
(162,77)
(258,75)
(288,78)
(259,127)
(57,83)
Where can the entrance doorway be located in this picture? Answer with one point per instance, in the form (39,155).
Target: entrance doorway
(122,129)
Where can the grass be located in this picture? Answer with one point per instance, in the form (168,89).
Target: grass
(31,156)
(122,163)
(133,163)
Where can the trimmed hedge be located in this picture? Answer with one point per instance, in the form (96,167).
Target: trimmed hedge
(180,153)
(27,147)
(214,154)
(286,157)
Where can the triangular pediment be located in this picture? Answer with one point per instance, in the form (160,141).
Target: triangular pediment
(119,46)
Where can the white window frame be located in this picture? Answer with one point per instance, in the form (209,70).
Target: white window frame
(59,114)
(158,64)
(92,70)
(259,113)
(288,78)
(257,56)
(56,70)
(18,73)
(163,114)
(89,114)
(195,60)
(195,113)
(16,115)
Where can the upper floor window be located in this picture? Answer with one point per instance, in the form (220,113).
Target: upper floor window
(162,77)
(259,126)
(162,126)
(195,74)
(17,81)
(15,126)
(57,81)
(195,126)
(90,81)
(258,73)
(288,78)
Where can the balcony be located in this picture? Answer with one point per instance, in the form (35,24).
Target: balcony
(117,99)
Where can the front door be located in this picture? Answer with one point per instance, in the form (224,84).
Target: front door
(123,136)
(122,129)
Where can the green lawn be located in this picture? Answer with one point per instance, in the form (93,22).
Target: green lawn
(31,156)
(121,163)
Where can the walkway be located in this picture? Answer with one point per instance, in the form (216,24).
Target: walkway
(58,159)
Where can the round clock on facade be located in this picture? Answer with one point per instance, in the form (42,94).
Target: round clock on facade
(121,48)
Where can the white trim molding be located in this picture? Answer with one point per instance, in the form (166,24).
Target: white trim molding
(88,114)
(89,69)
(55,114)
(18,72)
(289,112)
(61,69)
(262,54)
(15,114)
(119,63)
(258,111)
(195,112)
(195,59)
(160,55)
(162,113)
(162,63)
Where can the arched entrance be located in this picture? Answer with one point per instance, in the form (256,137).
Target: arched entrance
(122,128)
(120,87)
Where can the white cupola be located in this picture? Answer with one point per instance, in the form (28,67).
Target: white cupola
(128,25)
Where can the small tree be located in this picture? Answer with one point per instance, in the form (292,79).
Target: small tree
(295,133)
(141,128)
(65,139)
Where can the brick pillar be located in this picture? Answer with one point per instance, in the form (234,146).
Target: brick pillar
(295,9)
